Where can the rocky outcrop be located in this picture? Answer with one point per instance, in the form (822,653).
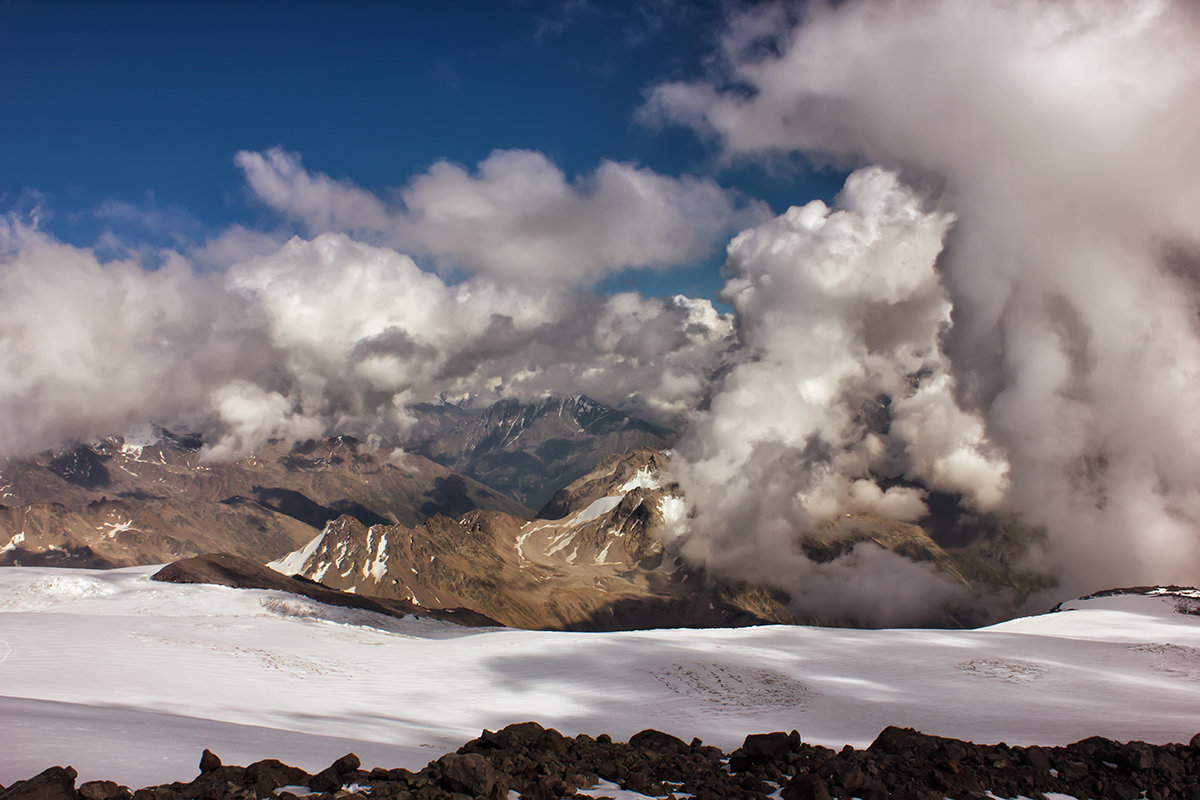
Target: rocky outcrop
(222,569)
(539,763)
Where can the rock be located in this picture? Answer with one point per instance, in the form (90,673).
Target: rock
(347,763)
(658,742)
(268,775)
(760,748)
(327,780)
(56,783)
(209,761)
(1195,742)
(897,741)
(1037,758)
(472,774)
(104,790)
(806,787)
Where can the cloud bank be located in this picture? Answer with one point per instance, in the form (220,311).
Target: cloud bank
(318,336)
(1063,339)
(517,217)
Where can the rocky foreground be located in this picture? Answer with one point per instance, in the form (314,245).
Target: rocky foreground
(542,764)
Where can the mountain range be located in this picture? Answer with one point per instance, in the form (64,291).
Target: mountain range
(396,523)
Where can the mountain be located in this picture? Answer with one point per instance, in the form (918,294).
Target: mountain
(129,679)
(599,556)
(593,560)
(117,502)
(529,450)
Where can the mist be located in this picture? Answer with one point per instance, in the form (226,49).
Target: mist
(319,336)
(1052,325)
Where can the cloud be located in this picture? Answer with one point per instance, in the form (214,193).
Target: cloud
(1061,134)
(315,337)
(844,404)
(517,217)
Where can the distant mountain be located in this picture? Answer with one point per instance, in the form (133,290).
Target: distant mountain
(119,503)
(599,565)
(599,556)
(529,450)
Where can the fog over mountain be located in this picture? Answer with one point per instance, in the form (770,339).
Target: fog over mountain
(1000,305)
(1062,138)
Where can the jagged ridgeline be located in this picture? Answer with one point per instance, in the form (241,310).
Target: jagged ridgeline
(119,501)
(530,451)
(389,523)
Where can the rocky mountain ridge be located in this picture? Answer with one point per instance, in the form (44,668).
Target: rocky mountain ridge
(601,565)
(120,502)
(598,556)
(529,450)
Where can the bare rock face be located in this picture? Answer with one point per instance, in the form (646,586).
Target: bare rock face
(530,450)
(222,569)
(119,503)
(598,561)
(55,783)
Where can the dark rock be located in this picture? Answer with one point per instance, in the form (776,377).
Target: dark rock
(1037,758)
(762,747)
(657,741)
(104,790)
(472,774)
(56,783)
(806,787)
(209,761)
(327,780)
(268,775)
(347,763)
(899,741)
(1195,742)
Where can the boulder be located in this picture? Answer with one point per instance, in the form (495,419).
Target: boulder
(658,742)
(104,790)
(56,783)
(471,774)
(209,761)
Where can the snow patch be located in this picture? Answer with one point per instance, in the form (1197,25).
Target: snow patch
(16,541)
(643,479)
(111,529)
(378,567)
(598,508)
(294,563)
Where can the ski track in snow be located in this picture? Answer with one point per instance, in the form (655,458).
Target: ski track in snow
(128,679)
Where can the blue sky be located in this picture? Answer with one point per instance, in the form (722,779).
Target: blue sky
(146,104)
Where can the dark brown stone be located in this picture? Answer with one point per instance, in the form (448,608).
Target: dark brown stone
(209,761)
(472,774)
(55,783)
(806,787)
(104,790)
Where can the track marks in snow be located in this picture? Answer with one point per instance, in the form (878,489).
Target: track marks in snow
(1175,660)
(255,658)
(1003,669)
(720,688)
(53,591)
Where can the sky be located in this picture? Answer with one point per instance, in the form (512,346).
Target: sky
(145,104)
(267,221)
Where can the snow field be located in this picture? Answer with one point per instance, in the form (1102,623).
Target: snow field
(128,679)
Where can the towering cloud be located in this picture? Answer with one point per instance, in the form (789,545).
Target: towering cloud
(1062,135)
(517,217)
